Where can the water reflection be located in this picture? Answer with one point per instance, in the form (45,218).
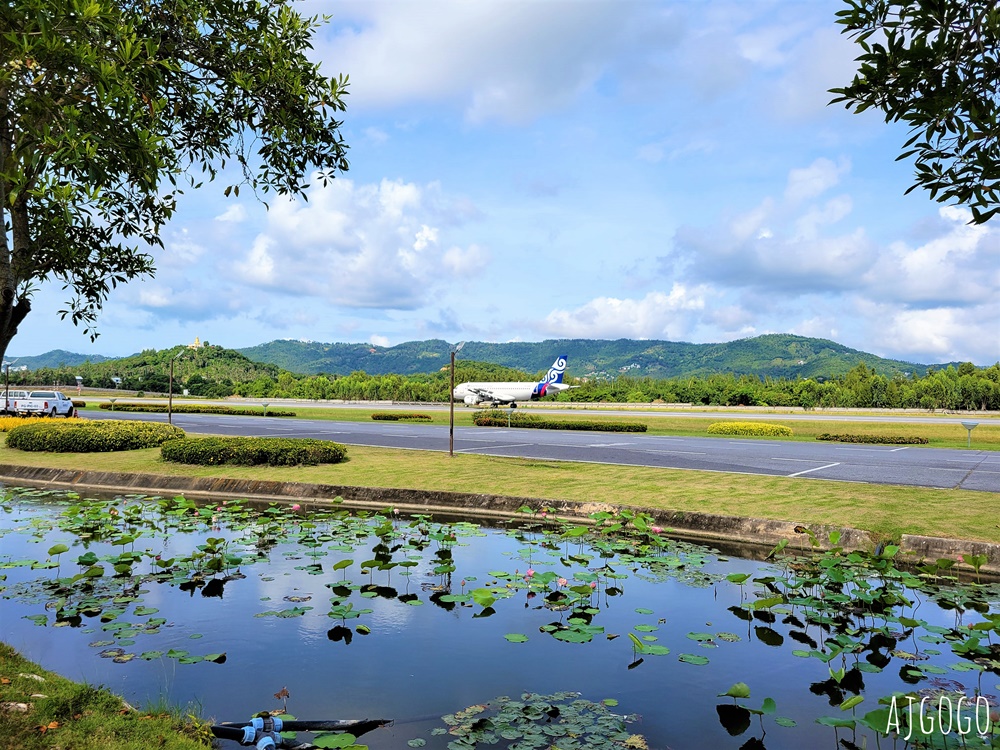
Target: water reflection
(382,616)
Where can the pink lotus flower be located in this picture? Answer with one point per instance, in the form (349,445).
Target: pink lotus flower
(296,507)
(657,530)
(562,581)
(593,584)
(528,573)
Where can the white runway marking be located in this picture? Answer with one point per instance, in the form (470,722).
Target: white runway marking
(502,446)
(818,468)
(683,453)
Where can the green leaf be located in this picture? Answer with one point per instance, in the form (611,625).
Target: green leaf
(343,740)
(851,702)
(516,637)
(692,659)
(737,690)
(833,721)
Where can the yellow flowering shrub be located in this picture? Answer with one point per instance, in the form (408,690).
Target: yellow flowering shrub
(752,429)
(89,435)
(9,423)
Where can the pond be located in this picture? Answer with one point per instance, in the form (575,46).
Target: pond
(611,635)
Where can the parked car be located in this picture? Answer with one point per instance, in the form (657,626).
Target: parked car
(41,404)
(8,399)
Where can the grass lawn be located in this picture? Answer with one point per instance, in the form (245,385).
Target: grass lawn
(42,710)
(887,510)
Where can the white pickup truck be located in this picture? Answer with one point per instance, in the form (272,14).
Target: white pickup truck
(38,403)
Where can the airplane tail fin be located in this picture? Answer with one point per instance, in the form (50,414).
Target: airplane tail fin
(554,375)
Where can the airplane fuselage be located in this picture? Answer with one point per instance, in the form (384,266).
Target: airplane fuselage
(502,393)
(510,393)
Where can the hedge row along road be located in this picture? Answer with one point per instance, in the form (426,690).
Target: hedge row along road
(876,464)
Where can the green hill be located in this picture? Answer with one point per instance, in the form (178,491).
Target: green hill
(199,370)
(774,355)
(55,358)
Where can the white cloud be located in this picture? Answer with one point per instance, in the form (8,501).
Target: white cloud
(371,246)
(235,214)
(500,60)
(959,267)
(922,330)
(657,315)
(810,182)
(783,245)
(258,267)
(469,261)
(377,340)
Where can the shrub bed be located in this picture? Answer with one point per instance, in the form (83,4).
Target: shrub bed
(253,451)
(9,423)
(196,409)
(880,439)
(755,429)
(387,416)
(498,418)
(90,435)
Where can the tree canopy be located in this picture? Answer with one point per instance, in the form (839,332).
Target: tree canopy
(933,64)
(109,109)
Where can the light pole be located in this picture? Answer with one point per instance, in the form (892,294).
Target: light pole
(451,402)
(170,390)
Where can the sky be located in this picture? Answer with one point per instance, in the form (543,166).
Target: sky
(523,170)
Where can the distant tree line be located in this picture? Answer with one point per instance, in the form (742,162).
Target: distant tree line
(960,388)
(217,375)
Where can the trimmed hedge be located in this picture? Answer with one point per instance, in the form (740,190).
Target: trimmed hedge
(755,429)
(498,418)
(9,423)
(388,416)
(91,435)
(879,439)
(252,451)
(195,409)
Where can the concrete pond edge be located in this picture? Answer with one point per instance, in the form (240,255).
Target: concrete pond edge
(706,527)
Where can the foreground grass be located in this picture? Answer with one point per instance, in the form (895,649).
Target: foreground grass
(64,714)
(888,511)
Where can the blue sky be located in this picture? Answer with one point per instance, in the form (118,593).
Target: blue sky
(524,170)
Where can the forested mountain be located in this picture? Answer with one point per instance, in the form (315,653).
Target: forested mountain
(205,371)
(55,358)
(216,372)
(773,355)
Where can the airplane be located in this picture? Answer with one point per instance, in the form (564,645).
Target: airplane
(510,393)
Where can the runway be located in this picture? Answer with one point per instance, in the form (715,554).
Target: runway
(875,464)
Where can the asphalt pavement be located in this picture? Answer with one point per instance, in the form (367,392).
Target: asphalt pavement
(875,464)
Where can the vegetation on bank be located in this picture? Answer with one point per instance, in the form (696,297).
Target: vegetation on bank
(214,372)
(40,710)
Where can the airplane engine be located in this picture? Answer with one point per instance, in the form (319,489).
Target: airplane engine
(471,399)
